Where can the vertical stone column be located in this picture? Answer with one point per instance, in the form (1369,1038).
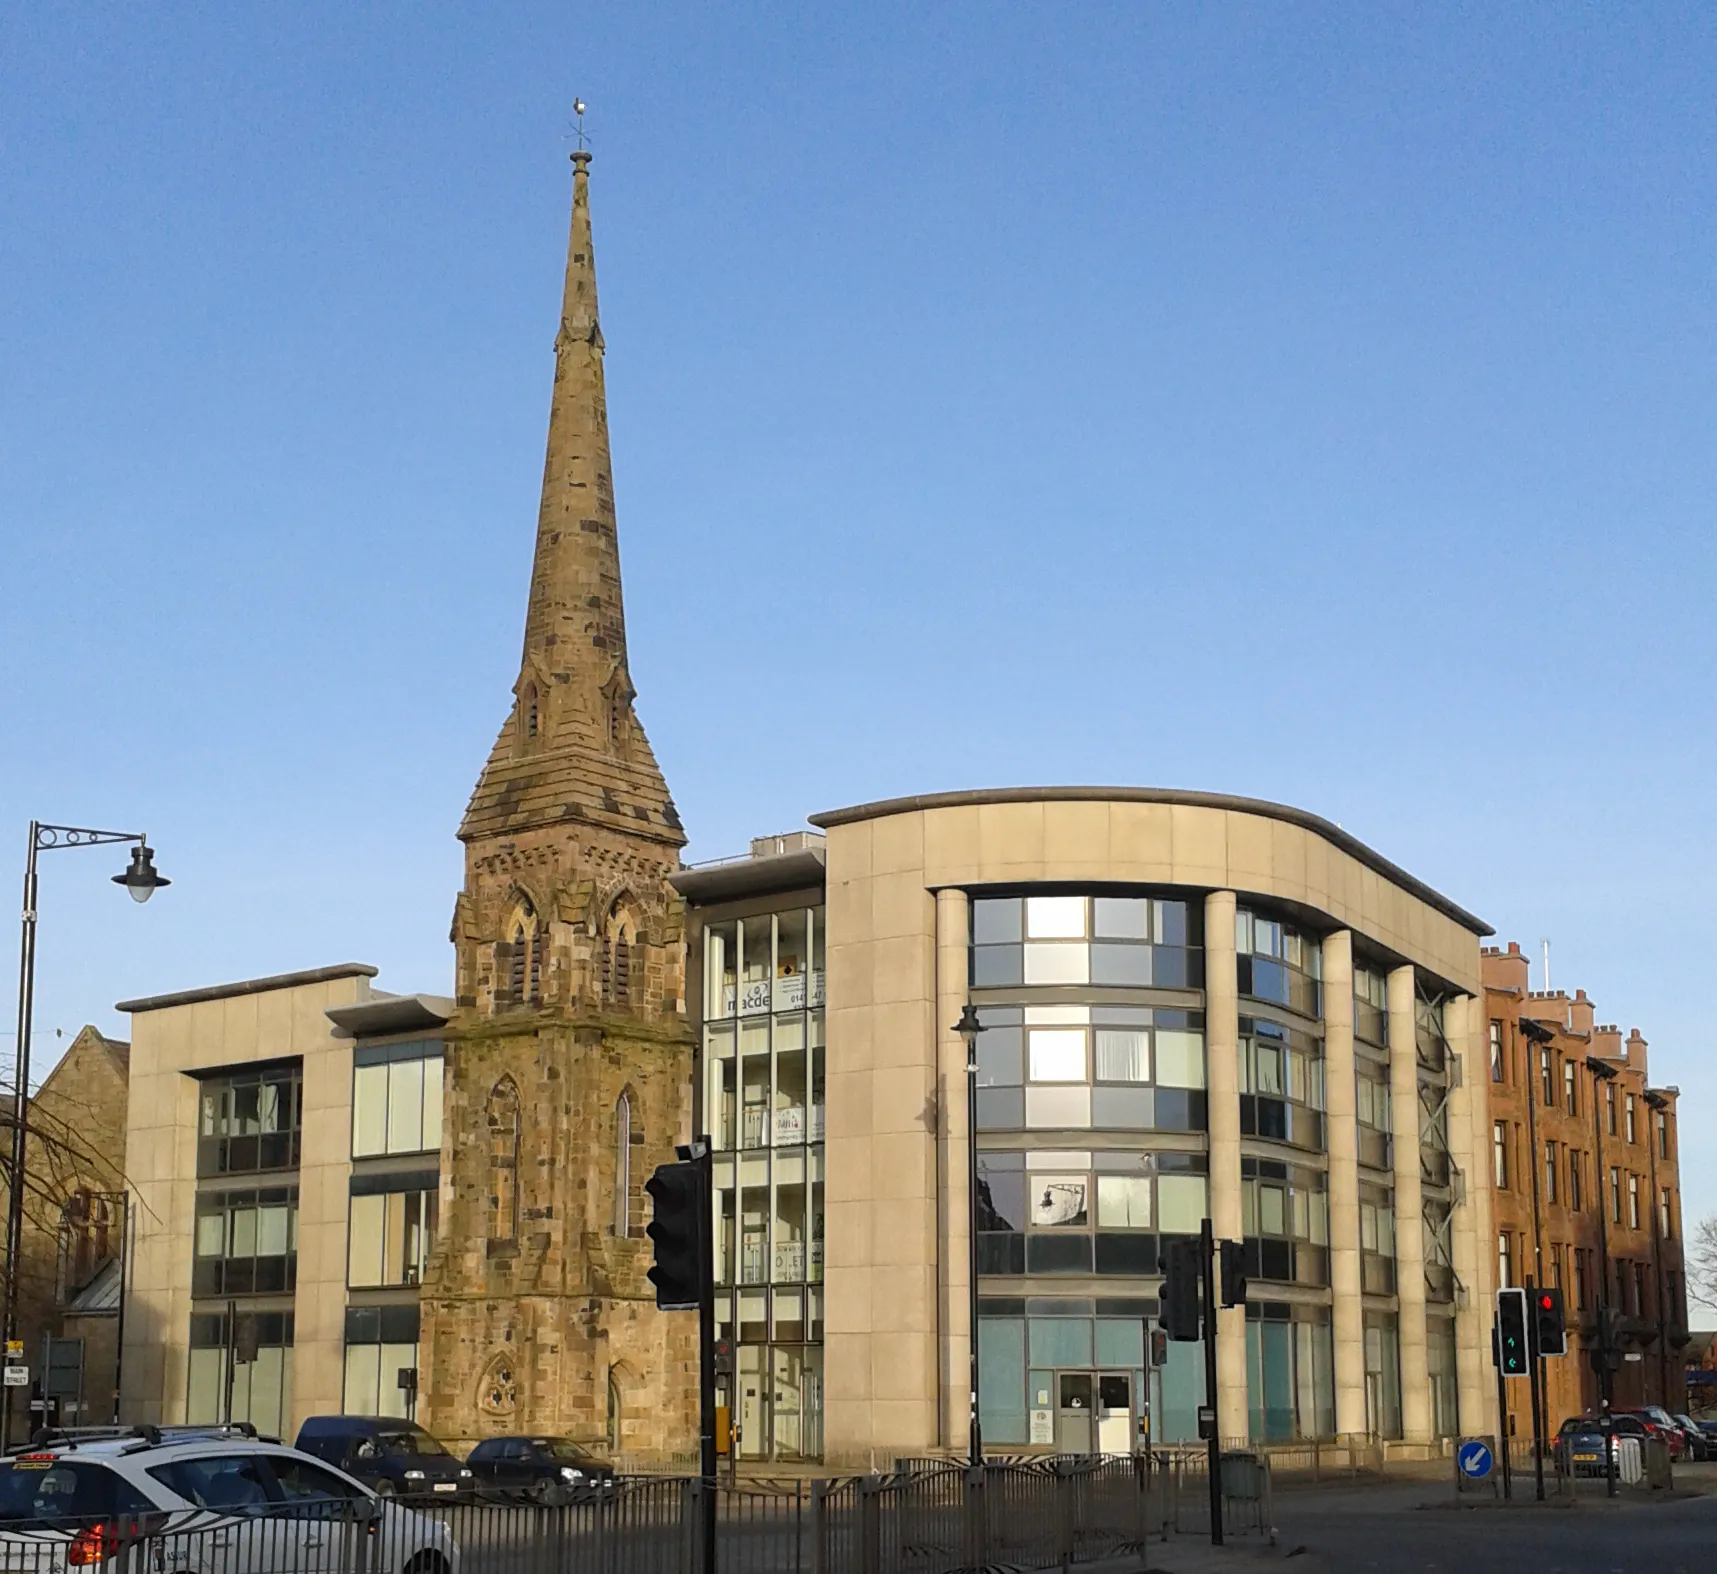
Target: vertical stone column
(1341,1142)
(953,1250)
(1222,1053)
(1469,1107)
(1409,1208)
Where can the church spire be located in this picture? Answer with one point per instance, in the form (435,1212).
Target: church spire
(575,618)
(572,747)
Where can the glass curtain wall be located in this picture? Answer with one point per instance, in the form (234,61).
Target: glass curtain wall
(1382,1375)
(1091,1151)
(381,1360)
(240,1369)
(244,1248)
(1290,1371)
(763,1102)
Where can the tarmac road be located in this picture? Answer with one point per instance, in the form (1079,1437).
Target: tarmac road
(1410,1529)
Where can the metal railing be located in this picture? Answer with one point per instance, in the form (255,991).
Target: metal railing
(925,1518)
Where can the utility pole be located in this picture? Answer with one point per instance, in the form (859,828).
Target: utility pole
(683,1236)
(1501,1409)
(1604,1073)
(1540,1038)
(1213,1441)
(1535,1372)
(1657,1104)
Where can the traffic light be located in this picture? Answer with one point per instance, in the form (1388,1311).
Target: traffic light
(1511,1326)
(677,1228)
(724,1357)
(1233,1273)
(1159,1348)
(1549,1329)
(1182,1271)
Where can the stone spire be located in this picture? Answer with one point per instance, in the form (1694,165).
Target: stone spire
(572,749)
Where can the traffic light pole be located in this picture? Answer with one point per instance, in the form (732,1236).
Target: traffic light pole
(1501,1410)
(1535,1373)
(1213,1444)
(706,1349)
(1603,1074)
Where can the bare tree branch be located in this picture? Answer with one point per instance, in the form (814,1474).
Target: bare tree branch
(1702,1263)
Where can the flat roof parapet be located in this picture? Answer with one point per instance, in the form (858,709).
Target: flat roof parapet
(1319,826)
(249,986)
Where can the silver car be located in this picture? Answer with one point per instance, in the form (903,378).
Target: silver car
(202,1501)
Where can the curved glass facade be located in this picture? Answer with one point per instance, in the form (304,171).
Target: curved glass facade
(1092,1138)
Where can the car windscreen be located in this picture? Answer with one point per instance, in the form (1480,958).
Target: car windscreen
(564,1450)
(413,1442)
(59,1491)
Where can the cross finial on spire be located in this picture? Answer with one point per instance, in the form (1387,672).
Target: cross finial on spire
(578,125)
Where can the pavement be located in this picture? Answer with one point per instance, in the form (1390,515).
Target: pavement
(1418,1527)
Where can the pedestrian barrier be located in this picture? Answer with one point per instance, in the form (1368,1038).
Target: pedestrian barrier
(926,1518)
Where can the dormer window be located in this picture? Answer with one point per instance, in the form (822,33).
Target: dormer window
(617,694)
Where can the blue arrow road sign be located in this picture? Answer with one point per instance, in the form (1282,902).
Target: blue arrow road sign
(1474,1458)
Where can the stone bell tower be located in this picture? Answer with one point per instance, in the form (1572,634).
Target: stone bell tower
(569,1059)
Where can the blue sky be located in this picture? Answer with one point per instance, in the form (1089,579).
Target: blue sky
(1313,402)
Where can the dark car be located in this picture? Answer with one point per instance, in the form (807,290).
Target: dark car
(1580,1443)
(1659,1426)
(543,1469)
(1700,1443)
(389,1454)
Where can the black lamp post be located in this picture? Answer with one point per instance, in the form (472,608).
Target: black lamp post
(969,1027)
(142,881)
(1603,1073)
(1539,1037)
(1657,1103)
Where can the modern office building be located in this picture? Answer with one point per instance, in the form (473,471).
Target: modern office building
(1192,1005)
(1586,1174)
(283,1144)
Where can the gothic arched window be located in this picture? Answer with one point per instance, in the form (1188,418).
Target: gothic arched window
(503,1121)
(526,943)
(528,703)
(623,1165)
(616,958)
(614,1416)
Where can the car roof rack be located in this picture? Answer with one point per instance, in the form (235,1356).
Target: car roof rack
(143,1436)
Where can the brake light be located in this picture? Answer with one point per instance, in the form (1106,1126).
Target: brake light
(95,1544)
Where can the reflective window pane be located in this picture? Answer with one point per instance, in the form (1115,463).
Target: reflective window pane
(1057,1054)
(997,921)
(1057,963)
(1180,1058)
(1050,1107)
(1123,1055)
(1059,1200)
(1055,918)
(1122,917)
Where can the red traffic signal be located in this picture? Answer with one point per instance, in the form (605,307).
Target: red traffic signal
(1549,1325)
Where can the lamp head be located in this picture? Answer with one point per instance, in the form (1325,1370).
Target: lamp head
(969,1027)
(141,879)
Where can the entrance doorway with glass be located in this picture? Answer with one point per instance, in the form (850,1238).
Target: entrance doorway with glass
(1094,1413)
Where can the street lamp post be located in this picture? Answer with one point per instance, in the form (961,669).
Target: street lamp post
(142,881)
(1539,1037)
(969,1027)
(1657,1103)
(1603,1072)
